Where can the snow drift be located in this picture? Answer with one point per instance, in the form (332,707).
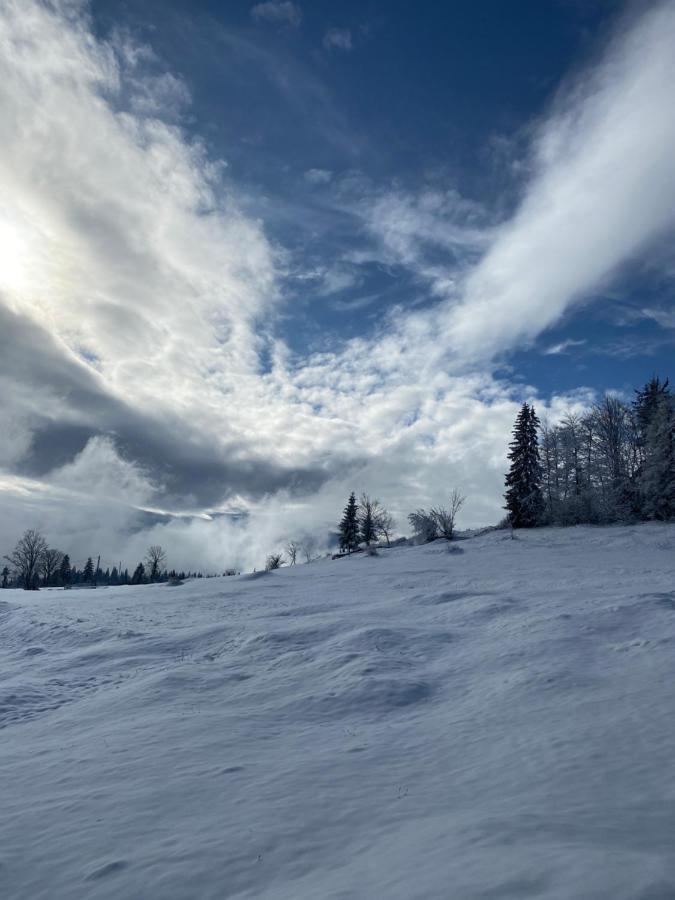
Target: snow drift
(496,723)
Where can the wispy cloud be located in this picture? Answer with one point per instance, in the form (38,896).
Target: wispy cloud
(562,347)
(279,12)
(338,39)
(603,187)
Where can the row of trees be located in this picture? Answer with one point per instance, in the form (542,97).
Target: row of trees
(615,463)
(364,522)
(33,564)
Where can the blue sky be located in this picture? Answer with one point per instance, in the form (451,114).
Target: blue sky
(441,98)
(255,256)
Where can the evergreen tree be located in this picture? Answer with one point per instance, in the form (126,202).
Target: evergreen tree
(88,573)
(524,499)
(366,519)
(349,526)
(657,481)
(139,574)
(647,402)
(5,577)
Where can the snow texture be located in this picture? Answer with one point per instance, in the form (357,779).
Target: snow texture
(496,722)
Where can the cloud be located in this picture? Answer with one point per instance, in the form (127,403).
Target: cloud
(603,187)
(139,303)
(318,176)
(279,12)
(562,347)
(338,38)
(663,317)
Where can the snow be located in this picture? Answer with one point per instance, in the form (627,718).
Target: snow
(496,722)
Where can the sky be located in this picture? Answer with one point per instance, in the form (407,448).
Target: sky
(254,256)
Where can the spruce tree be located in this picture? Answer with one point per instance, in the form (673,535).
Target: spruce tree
(65,572)
(88,573)
(139,574)
(657,481)
(646,403)
(524,499)
(5,577)
(349,526)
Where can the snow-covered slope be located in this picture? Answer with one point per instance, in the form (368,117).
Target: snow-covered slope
(497,722)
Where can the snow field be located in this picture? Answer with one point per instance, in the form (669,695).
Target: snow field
(496,722)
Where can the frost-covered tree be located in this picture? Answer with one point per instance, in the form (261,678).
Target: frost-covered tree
(647,401)
(446,517)
(274,561)
(366,519)
(384,522)
(26,558)
(424,525)
(349,525)
(524,500)
(657,481)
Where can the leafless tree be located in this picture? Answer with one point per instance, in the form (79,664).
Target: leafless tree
(155,558)
(292,549)
(439,521)
(274,561)
(50,564)
(308,548)
(26,558)
(384,522)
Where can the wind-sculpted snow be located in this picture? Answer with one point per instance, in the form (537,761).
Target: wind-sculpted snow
(495,723)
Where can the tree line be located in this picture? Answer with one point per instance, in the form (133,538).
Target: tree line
(33,564)
(615,463)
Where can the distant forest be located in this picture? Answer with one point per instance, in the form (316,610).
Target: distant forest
(614,463)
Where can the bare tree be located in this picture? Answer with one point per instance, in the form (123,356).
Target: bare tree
(50,564)
(308,547)
(26,558)
(274,561)
(457,501)
(292,549)
(155,558)
(384,521)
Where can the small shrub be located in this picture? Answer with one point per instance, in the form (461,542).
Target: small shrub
(274,561)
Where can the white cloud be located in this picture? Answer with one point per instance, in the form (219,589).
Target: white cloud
(318,176)
(604,186)
(131,245)
(281,12)
(562,347)
(338,38)
(663,317)
(99,471)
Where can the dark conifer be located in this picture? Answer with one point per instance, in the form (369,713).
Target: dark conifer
(88,573)
(524,499)
(349,526)
(65,572)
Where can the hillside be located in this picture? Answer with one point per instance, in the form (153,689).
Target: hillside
(496,722)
